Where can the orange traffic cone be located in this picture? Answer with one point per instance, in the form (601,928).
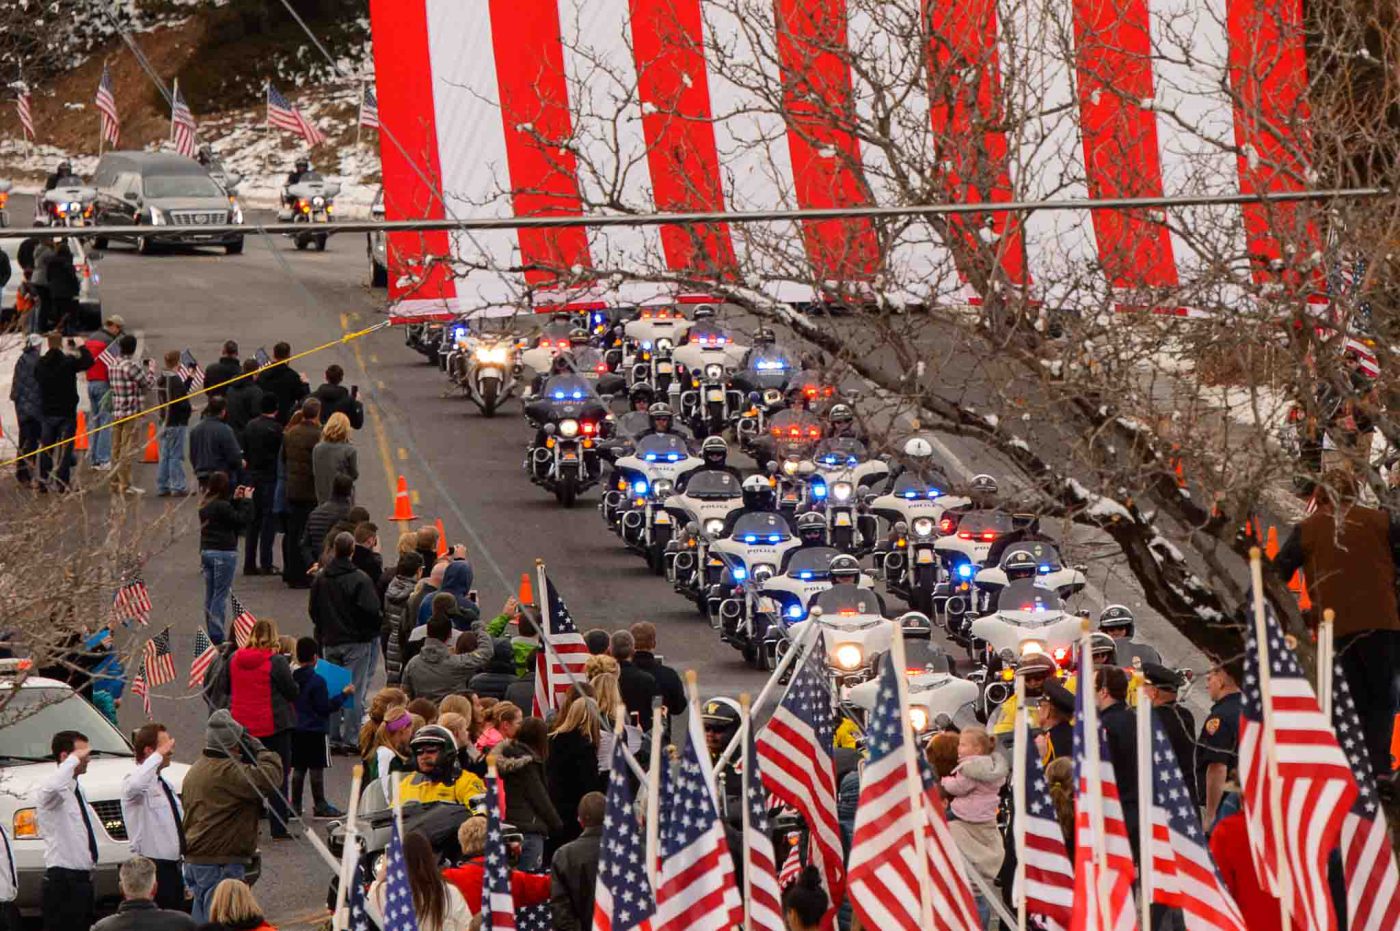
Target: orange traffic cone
(1304,602)
(1271,547)
(1295,584)
(403,506)
(152,453)
(442,538)
(80,441)
(527,590)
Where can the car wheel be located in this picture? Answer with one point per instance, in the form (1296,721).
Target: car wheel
(378,275)
(235,247)
(99,242)
(321,243)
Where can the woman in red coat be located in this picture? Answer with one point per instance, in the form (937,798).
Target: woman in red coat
(525,888)
(262,697)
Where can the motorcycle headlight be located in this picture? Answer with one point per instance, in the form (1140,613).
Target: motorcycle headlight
(662,487)
(318,201)
(918,719)
(848,656)
(568,428)
(1032,646)
(772,396)
(714,372)
(664,345)
(923,526)
(75,206)
(842,491)
(491,355)
(714,526)
(790,467)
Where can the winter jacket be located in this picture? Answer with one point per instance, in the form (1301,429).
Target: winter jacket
(262,442)
(96,344)
(262,692)
(668,683)
(244,403)
(1349,566)
(287,386)
(436,673)
(521,692)
(24,389)
(423,591)
(220,371)
(498,675)
(322,518)
(171,387)
(63,277)
(221,521)
(456,914)
(638,688)
(461,623)
(214,448)
(975,786)
(528,805)
(144,915)
(525,888)
(335,399)
(457,582)
(571,773)
(329,460)
(57,375)
(573,877)
(315,704)
(522,648)
(256,923)
(297,445)
(223,799)
(370,563)
(1229,845)
(395,604)
(342,605)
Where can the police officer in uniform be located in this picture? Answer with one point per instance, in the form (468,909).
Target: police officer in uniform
(1218,749)
(1118,622)
(1120,726)
(721,717)
(1056,722)
(1160,686)
(1036,669)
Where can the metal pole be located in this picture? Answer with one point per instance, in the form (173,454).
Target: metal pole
(1326,655)
(745,766)
(1018,800)
(174,95)
(914,784)
(1261,636)
(1145,806)
(351,853)
(653,783)
(1092,763)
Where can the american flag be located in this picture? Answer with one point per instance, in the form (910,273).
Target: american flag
(763,896)
(1373,888)
(399,913)
(190,371)
(1049,874)
(159,661)
(24,105)
(355,899)
(796,748)
(138,687)
(567,654)
(885,879)
(107,106)
(696,888)
(132,602)
(110,354)
(283,115)
(369,110)
(534,918)
(204,655)
(623,898)
(792,865)
(1183,874)
(1309,784)
(1103,858)
(182,125)
(497,904)
(243,622)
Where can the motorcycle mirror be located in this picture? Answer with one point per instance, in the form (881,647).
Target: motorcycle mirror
(233,181)
(606,398)
(869,500)
(901,528)
(549,429)
(915,624)
(942,721)
(693,529)
(806,467)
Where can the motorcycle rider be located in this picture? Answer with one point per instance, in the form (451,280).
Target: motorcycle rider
(300,169)
(841,424)
(662,421)
(205,155)
(637,419)
(64,170)
(561,364)
(1035,670)
(1118,622)
(759,498)
(438,775)
(845,575)
(811,530)
(981,495)
(714,452)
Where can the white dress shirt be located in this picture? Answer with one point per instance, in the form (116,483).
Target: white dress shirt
(61,820)
(150,823)
(9,881)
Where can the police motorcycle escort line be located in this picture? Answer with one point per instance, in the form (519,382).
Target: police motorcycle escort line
(1038,556)
(938,698)
(627,431)
(750,546)
(700,511)
(961,551)
(707,400)
(569,417)
(650,474)
(1027,618)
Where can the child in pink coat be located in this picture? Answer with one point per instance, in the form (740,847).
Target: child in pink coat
(975,784)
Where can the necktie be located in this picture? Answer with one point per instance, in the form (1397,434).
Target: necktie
(87,822)
(174,812)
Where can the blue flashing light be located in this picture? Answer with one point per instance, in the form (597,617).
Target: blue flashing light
(1044,569)
(770,365)
(964,570)
(794,611)
(459,332)
(558,395)
(934,492)
(739,573)
(911,494)
(828,460)
(640,486)
(818,490)
(775,538)
(804,576)
(673,457)
(750,538)
(578,395)
(649,457)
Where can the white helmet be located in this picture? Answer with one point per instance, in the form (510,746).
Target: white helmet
(916,447)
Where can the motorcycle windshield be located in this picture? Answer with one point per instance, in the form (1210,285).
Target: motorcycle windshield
(984,526)
(847,600)
(921,655)
(182,186)
(713,486)
(70,181)
(1045,555)
(762,527)
(662,447)
(708,334)
(812,564)
(912,487)
(771,362)
(1029,598)
(840,451)
(568,387)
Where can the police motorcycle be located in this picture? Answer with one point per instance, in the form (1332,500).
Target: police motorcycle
(648,342)
(763,378)
(912,504)
(1027,616)
(482,365)
(792,437)
(627,431)
(311,200)
(1051,573)
(750,546)
(650,474)
(700,511)
(707,400)
(538,352)
(845,468)
(568,416)
(962,551)
(938,698)
(68,203)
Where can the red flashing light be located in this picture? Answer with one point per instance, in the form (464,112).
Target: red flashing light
(589,428)
(964,534)
(947,525)
(602,367)
(988,536)
(796,431)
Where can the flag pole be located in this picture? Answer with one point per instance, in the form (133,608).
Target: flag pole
(101,136)
(360,119)
(1019,775)
(1145,806)
(913,782)
(1326,647)
(1261,637)
(1091,755)
(745,768)
(779,671)
(174,96)
(654,764)
(351,852)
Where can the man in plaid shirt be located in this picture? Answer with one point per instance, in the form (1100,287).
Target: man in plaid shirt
(129,381)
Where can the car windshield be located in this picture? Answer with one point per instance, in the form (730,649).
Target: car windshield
(1026,596)
(841,451)
(662,447)
(31,716)
(181,186)
(912,486)
(762,527)
(984,525)
(713,485)
(811,563)
(568,388)
(1045,555)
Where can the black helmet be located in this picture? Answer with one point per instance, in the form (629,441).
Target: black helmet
(435,735)
(640,392)
(983,484)
(841,413)
(721,713)
(811,527)
(658,411)
(303,164)
(758,493)
(703,311)
(562,364)
(1116,617)
(763,337)
(844,568)
(1019,564)
(714,450)
(1100,643)
(65,167)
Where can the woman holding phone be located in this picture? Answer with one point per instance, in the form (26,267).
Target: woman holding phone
(222,519)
